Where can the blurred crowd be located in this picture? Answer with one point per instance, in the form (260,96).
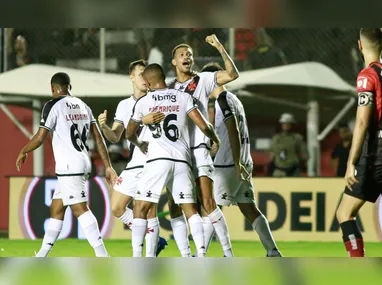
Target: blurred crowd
(254,48)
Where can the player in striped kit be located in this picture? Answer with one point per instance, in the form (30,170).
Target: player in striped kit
(200,85)
(169,154)
(233,162)
(69,121)
(125,187)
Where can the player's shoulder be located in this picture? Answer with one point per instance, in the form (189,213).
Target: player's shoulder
(48,106)
(125,103)
(142,100)
(205,74)
(370,70)
(226,97)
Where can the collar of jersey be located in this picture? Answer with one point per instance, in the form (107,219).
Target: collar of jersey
(176,79)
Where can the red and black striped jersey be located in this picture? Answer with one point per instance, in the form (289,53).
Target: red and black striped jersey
(369,89)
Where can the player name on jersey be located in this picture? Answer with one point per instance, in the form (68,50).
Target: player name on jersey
(76,117)
(165,109)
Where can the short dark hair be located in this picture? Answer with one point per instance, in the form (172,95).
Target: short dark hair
(373,35)
(212,67)
(155,70)
(140,62)
(180,46)
(60,78)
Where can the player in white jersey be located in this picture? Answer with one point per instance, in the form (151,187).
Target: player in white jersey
(200,86)
(233,162)
(125,187)
(169,155)
(69,121)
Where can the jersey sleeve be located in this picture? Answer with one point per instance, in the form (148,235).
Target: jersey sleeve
(209,81)
(48,116)
(190,103)
(119,114)
(91,116)
(226,106)
(366,87)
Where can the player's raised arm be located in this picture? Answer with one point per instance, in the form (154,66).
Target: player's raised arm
(230,73)
(36,141)
(114,133)
(110,174)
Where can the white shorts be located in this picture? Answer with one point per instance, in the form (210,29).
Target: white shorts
(230,189)
(202,164)
(128,180)
(71,189)
(158,174)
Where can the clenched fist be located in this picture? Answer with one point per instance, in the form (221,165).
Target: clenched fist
(213,40)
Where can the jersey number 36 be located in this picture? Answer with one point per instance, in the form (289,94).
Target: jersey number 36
(171,131)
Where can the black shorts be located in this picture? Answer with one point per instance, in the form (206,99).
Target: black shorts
(369,185)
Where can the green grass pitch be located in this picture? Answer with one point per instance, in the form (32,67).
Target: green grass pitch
(122,248)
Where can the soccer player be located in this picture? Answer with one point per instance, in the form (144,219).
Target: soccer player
(124,189)
(69,120)
(200,86)
(233,163)
(169,156)
(364,167)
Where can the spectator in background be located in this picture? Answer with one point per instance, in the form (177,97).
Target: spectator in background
(144,38)
(116,158)
(288,150)
(341,151)
(18,57)
(265,54)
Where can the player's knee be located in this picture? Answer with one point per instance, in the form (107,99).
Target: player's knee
(117,210)
(79,209)
(209,205)
(175,210)
(141,208)
(343,215)
(152,212)
(57,214)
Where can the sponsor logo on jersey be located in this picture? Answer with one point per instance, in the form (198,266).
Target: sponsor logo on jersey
(171,97)
(181,195)
(72,106)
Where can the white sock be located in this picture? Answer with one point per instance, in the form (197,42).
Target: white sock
(127,217)
(196,228)
(52,232)
(90,228)
(261,226)
(220,225)
(152,237)
(209,231)
(139,229)
(179,229)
